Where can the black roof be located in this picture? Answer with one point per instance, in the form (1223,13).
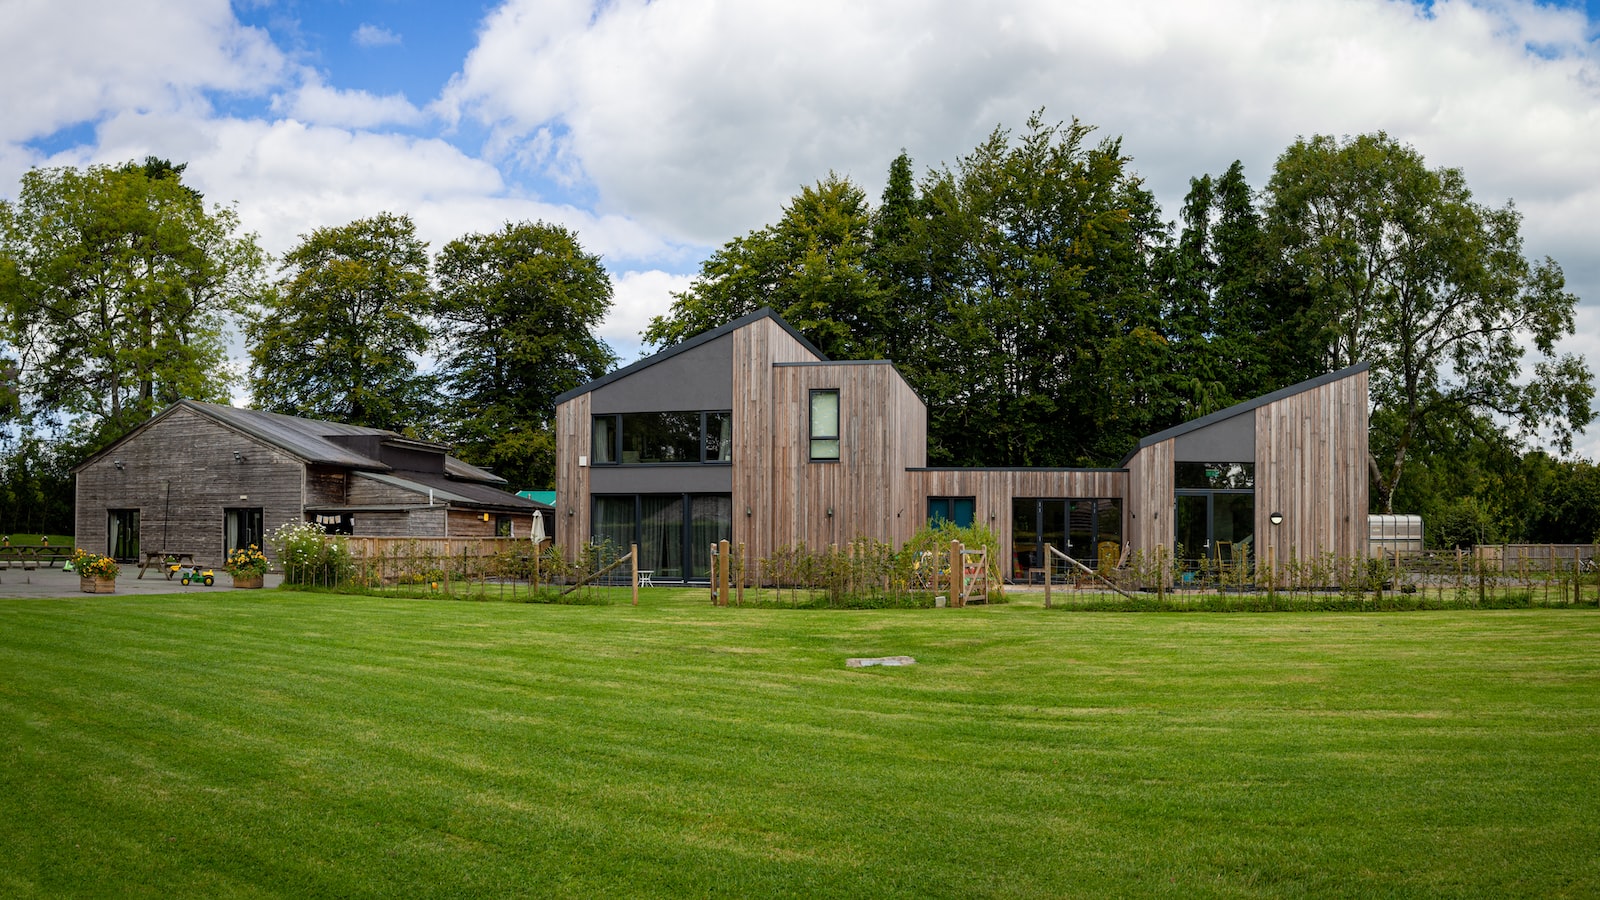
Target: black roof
(1246,406)
(705,337)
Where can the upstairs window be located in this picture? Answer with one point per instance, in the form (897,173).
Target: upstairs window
(825,424)
(662,438)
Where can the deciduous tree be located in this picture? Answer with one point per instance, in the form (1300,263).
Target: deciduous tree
(519,309)
(341,335)
(1429,286)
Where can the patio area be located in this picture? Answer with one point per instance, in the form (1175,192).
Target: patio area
(52,582)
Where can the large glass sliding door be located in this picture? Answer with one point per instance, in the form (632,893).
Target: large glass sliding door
(1078,527)
(670,529)
(1215,526)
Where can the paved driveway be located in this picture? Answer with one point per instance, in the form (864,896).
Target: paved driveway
(56,583)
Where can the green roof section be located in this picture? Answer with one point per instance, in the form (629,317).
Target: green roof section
(548,498)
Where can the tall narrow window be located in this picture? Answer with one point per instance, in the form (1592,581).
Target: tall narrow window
(718,431)
(603,447)
(242,528)
(825,424)
(122,534)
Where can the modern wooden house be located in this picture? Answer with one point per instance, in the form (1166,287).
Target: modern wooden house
(748,433)
(205,479)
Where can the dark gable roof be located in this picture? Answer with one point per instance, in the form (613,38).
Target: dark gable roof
(311,441)
(1246,406)
(765,312)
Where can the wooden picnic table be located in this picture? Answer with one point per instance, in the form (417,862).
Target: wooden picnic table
(167,560)
(31,556)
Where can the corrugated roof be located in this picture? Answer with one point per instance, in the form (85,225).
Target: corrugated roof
(446,490)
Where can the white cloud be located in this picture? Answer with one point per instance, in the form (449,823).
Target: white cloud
(636,298)
(319,104)
(369,35)
(61,65)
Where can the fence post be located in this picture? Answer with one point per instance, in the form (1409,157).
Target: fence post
(633,554)
(1047,563)
(742,573)
(722,573)
(958,578)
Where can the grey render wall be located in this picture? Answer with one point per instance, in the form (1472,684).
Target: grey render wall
(1231,440)
(660,479)
(699,378)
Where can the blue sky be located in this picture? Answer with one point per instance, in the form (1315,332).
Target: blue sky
(658,130)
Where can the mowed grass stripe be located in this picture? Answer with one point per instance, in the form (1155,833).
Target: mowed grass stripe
(285,744)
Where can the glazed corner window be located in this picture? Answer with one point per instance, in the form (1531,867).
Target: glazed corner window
(825,424)
(655,438)
(718,431)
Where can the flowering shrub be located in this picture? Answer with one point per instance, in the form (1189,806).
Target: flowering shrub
(246,562)
(90,565)
(311,558)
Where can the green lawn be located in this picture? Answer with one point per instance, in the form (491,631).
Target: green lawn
(282,744)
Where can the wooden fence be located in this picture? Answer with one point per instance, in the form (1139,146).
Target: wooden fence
(1517,558)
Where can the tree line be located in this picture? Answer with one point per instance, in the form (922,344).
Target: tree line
(1031,292)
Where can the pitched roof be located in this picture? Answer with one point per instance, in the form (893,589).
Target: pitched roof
(1246,406)
(313,441)
(705,337)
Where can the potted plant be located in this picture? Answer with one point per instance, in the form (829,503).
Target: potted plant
(96,574)
(248,566)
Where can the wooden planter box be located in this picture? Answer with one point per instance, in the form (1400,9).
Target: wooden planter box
(248,581)
(97,585)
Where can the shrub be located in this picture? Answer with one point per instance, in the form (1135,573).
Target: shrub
(311,558)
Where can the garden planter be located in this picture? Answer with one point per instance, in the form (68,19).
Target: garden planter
(93,585)
(248,581)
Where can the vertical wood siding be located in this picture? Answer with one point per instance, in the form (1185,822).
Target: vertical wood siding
(1151,497)
(994,489)
(756,452)
(572,480)
(1311,465)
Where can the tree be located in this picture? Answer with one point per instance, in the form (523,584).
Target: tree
(1428,286)
(812,267)
(519,308)
(114,285)
(340,336)
(1044,349)
(1237,323)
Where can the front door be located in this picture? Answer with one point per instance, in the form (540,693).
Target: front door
(1192,543)
(1215,526)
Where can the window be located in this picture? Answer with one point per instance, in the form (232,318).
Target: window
(1204,476)
(122,534)
(825,424)
(958,511)
(242,528)
(662,438)
(1087,529)
(674,532)
(502,526)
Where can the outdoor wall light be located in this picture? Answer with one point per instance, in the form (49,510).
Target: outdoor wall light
(747,512)
(830,512)
(238,457)
(118,464)
(1277,518)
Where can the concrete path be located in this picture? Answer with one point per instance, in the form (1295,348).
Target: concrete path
(56,583)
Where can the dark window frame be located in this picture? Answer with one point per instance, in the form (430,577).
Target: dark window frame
(838,426)
(619,439)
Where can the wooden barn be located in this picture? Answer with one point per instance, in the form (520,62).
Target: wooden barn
(204,479)
(748,433)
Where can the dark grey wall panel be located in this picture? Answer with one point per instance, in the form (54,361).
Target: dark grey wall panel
(701,378)
(1231,440)
(661,480)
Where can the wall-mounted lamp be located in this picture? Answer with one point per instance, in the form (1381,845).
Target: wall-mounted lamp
(570,512)
(1276,518)
(747,512)
(237,456)
(118,464)
(830,512)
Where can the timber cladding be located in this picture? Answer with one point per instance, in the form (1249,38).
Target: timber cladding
(867,492)
(1311,466)
(181,476)
(572,472)
(994,489)
(1151,497)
